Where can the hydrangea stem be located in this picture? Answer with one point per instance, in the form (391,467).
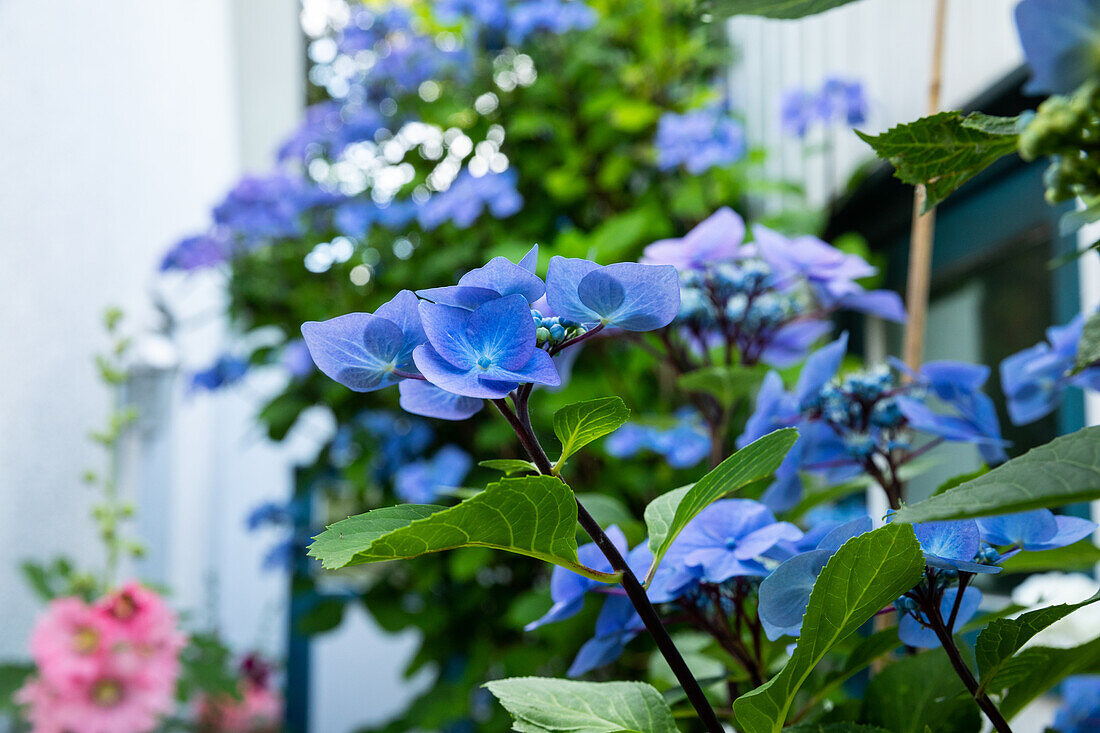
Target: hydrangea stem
(629,581)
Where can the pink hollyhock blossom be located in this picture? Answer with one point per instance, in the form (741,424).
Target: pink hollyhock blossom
(70,641)
(147,628)
(259,710)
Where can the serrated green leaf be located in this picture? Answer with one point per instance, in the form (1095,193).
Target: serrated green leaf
(1033,671)
(867,573)
(534,516)
(919,693)
(543,705)
(783,9)
(1064,471)
(727,384)
(992,124)
(668,514)
(508,466)
(579,424)
(942,152)
(1088,348)
(1004,637)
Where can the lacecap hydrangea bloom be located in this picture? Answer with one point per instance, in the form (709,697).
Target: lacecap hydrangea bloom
(698,140)
(838,100)
(683,445)
(482,338)
(769,298)
(1035,380)
(107,667)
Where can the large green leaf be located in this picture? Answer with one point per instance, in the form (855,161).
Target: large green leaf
(533,515)
(1037,669)
(727,384)
(1088,348)
(1064,471)
(785,9)
(867,573)
(942,151)
(668,514)
(1004,637)
(579,424)
(542,705)
(918,694)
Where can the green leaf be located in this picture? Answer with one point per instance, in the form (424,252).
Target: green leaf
(867,573)
(668,514)
(12,677)
(1080,556)
(508,466)
(1037,669)
(920,693)
(1004,637)
(541,705)
(1064,471)
(785,9)
(579,424)
(959,480)
(992,124)
(324,615)
(727,384)
(533,515)
(1088,348)
(942,151)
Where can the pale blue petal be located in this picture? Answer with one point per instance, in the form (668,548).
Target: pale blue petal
(424,398)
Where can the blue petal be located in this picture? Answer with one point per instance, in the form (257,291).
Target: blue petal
(912,633)
(820,368)
(466,382)
(597,653)
(403,309)
(718,238)
(1022,528)
(459,296)
(530,261)
(1070,530)
(505,277)
(424,398)
(445,327)
(956,540)
(885,304)
(357,350)
(563,277)
(1059,38)
(502,331)
(839,535)
(785,593)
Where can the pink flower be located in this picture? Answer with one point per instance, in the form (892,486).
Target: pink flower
(259,710)
(69,641)
(147,627)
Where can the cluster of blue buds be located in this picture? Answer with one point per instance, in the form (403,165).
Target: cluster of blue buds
(862,408)
(554,330)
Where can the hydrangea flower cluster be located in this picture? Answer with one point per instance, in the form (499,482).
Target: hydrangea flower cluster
(767,299)
(1080,710)
(953,551)
(713,565)
(864,422)
(837,101)
(1036,379)
(455,346)
(421,482)
(683,445)
(517,21)
(107,667)
(226,371)
(258,710)
(698,140)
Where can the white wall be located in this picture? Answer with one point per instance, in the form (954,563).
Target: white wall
(886,44)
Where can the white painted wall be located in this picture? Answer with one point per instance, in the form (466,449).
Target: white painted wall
(884,43)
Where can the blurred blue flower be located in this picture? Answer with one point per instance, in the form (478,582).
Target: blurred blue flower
(296,359)
(280,556)
(1061,40)
(684,445)
(421,482)
(796,112)
(617,624)
(718,238)
(568,589)
(698,140)
(270,207)
(1080,710)
(627,295)
(548,16)
(195,253)
(226,371)
(484,353)
(1035,380)
(356,217)
(363,351)
(270,513)
(468,196)
(841,100)
(912,629)
(1036,530)
(488,13)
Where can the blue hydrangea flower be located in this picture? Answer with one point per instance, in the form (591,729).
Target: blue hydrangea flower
(425,399)
(270,513)
(483,353)
(698,140)
(364,351)
(912,630)
(421,482)
(568,589)
(796,112)
(841,100)
(196,253)
(226,371)
(718,238)
(952,546)
(267,208)
(684,445)
(1080,710)
(785,593)
(548,16)
(617,624)
(499,277)
(468,196)
(1036,530)
(488,13)
(1035,380)
(356,217)
(627,295)
(1061,40)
